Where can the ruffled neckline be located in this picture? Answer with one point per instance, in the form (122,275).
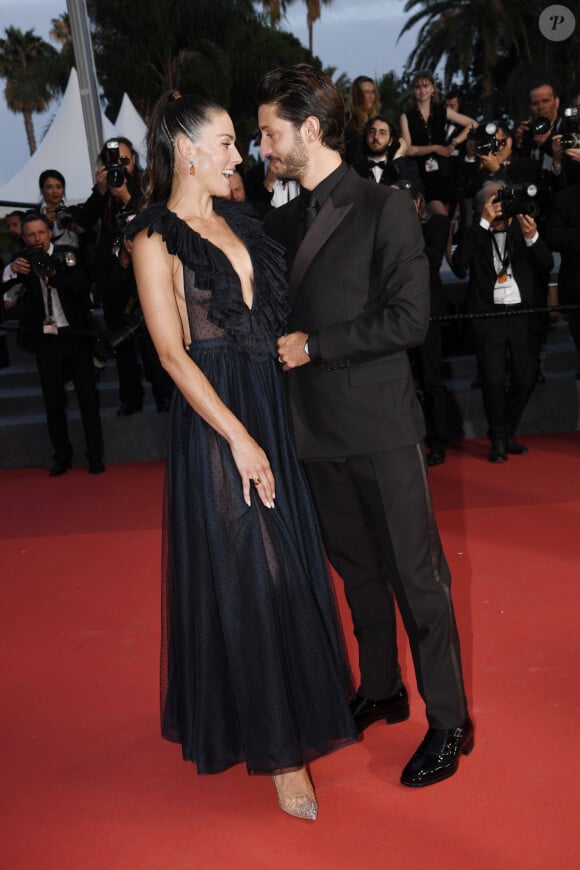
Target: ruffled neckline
(254,328)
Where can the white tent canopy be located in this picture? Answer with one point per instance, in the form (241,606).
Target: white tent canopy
(130,124)
(64,148)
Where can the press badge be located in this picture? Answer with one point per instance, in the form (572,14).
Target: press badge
(49,327)
(431,165)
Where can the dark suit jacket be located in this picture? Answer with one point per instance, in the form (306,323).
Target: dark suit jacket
(73,291)
(359,280)
(531,268)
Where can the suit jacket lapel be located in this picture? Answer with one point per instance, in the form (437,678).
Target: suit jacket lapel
(327,220)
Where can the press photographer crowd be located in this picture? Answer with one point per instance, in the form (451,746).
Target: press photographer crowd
(495,201)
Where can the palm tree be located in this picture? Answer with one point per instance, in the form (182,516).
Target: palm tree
(276,7)
(471,37)
(23,62)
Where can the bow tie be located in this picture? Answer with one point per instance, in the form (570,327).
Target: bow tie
(382,164)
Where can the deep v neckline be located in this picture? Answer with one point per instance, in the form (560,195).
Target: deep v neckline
(226,258)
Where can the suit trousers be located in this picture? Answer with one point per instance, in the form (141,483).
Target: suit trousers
(507,348)
(380,534)
(59,358)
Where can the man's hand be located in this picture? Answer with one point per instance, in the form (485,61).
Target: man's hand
(521,132)
(291,353)
(490,162)
(492,209)
(528,225)
(20,266)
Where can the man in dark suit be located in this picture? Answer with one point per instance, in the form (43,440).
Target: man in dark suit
(54,325)
(359,291)
(385,161)
(509,266)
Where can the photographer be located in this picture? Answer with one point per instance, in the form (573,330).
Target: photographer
(64,231)
(117,189)
(129,339)
(566,144)
(509,267)
(489,156)
(54,325)
(534,137)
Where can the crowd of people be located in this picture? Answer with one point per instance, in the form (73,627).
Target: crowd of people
(294,328)
(456,171)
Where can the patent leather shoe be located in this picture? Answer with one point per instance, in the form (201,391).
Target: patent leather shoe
(59,468)
(437,757)
(499,451)
(513,446)
(96,467)
(365,711)
(436,457)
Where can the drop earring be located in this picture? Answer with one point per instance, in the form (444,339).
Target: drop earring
(192,165)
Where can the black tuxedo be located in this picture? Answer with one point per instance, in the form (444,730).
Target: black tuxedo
(359,287)
(520,335)
(395,170)
(65,356)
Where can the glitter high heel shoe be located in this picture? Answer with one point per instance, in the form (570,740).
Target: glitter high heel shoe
(302,806)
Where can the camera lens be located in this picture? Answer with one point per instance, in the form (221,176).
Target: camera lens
(569,140)
(540,126)
(115,176)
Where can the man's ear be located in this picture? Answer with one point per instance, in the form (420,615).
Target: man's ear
(311,128)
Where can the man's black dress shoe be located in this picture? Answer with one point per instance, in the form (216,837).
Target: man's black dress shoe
(513,446)
(436,457)
(437,757)
(365,711)
(96,467)
(59,468)
(499,451)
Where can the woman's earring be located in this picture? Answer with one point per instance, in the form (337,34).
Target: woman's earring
(192,165)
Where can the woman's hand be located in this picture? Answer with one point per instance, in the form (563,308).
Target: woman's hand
(254,468)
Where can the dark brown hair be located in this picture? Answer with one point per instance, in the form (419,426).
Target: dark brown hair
(174,115)
(301,91)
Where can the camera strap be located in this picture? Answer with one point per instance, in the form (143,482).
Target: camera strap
(504,258)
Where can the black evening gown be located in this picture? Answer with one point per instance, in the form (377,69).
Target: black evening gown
(253,666)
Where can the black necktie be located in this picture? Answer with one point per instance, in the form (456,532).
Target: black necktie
(310,212)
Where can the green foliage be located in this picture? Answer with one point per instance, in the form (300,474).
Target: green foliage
(23,60)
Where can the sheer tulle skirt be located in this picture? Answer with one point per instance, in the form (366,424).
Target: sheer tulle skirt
(253,666)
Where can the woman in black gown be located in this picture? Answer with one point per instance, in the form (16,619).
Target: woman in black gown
(252,663)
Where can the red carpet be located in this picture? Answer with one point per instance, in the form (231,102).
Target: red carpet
(88,784)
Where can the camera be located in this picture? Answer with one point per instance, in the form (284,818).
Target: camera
(540,125)
(571,128)
(40,261)
(115,171)
(64,218)
(485,139)
(518,199)
(106,346)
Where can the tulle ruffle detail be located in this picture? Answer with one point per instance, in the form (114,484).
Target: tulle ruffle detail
(251,328)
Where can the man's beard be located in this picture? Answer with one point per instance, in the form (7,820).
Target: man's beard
(378,153)
(295,162)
